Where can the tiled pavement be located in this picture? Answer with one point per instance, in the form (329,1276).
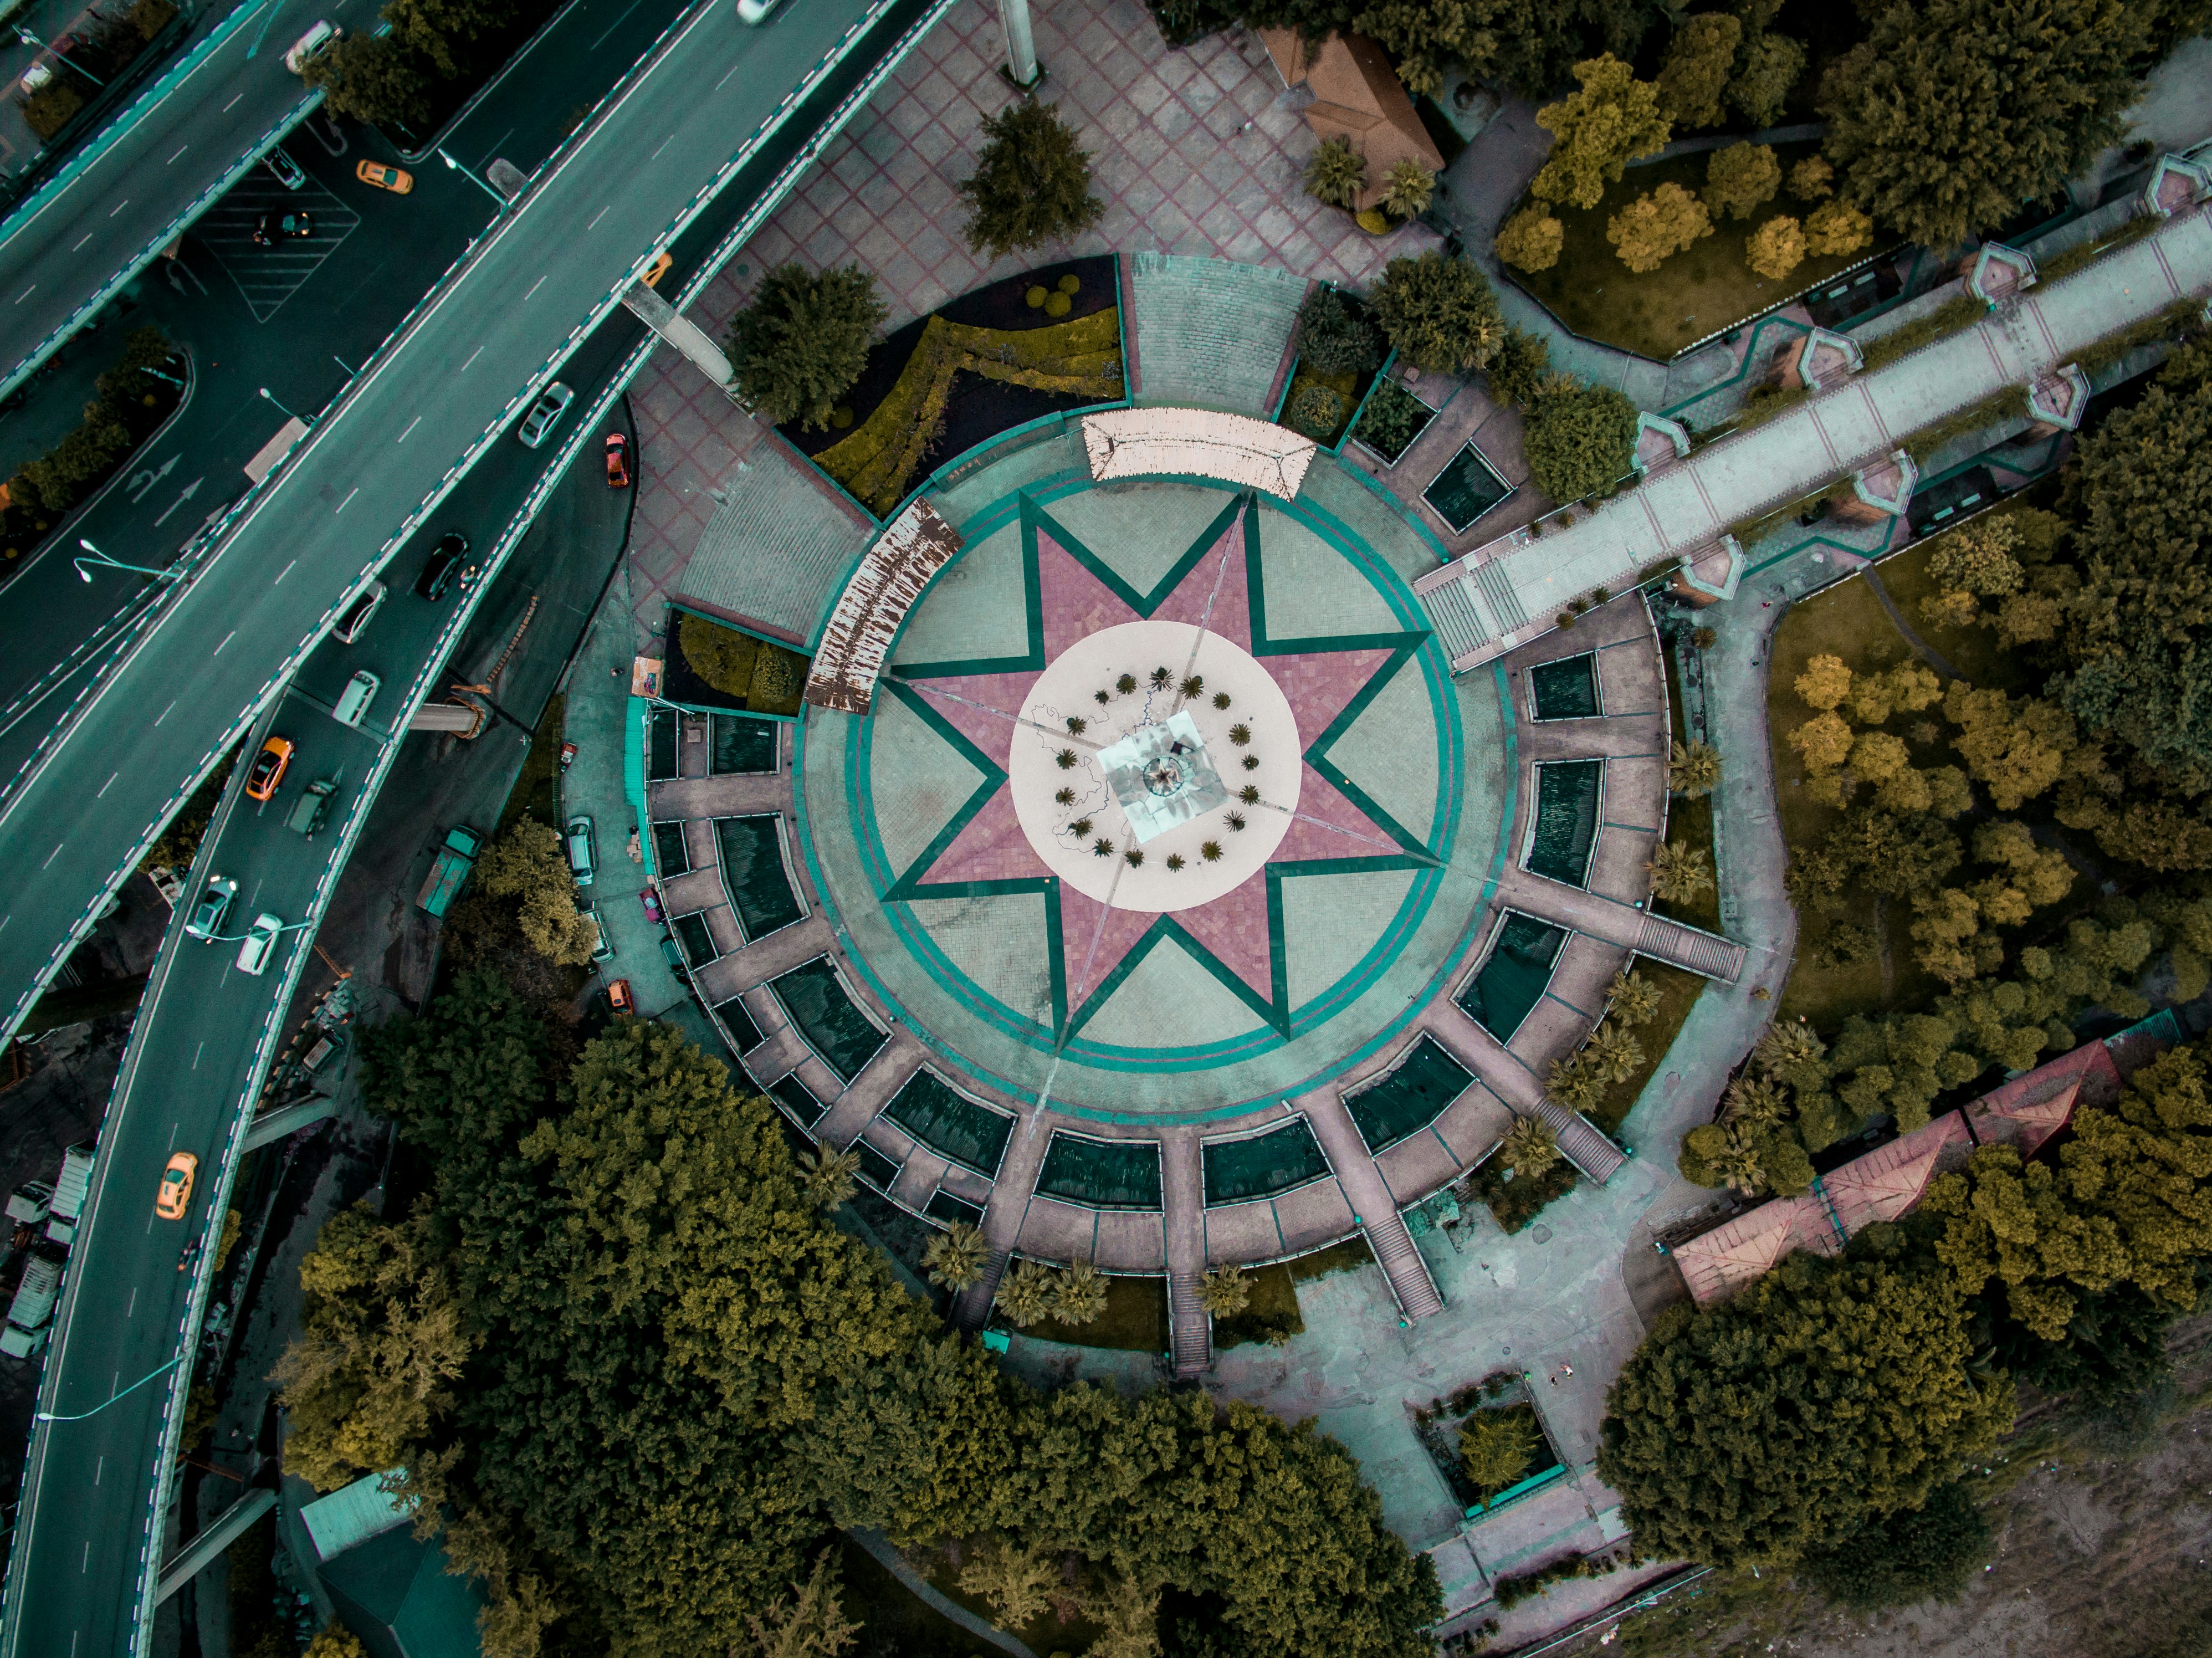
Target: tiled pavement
(1198,151)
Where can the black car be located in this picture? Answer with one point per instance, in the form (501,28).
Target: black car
(445,563)
(273,226)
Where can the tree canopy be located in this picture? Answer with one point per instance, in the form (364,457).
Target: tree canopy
(625,1352)
(1439,312)
(1828,1393)
(1031,184)
(1609,121)
(1580,440)
(801,344)
(1953,112)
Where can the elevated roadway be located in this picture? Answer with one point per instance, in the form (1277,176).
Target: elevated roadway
(83,1568)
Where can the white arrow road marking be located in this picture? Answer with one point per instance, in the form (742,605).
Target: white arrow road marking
(191,490)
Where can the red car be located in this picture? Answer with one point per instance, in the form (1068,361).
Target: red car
(619,999)
(651,900)
(568,755)
(618,461)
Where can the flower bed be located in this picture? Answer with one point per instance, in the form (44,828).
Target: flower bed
(1393,419)
(711,665)
(1499,1400)
(1024,355)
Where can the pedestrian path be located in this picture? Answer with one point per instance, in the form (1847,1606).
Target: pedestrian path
(1689,506)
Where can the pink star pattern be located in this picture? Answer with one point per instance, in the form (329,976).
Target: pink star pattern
(1214,594)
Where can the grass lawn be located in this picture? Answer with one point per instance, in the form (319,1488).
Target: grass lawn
(1689,822)
(1135,1319)
(1678,992)
(1346,1257)
(1273,1310)
(1699,291)
(536,792)
(1974,652)
(1847,621)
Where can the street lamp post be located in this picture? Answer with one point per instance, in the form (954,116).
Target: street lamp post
(1022,66)
(32,40)
(274,398)
(473,180)
(48,1416)
(104,562)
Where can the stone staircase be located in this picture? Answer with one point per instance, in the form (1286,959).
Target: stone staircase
(1399,1258)
(974,1306)
(1191,1331)
(1580,1143)
(1701,952)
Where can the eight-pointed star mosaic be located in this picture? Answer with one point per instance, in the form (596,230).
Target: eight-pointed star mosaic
(1217,585)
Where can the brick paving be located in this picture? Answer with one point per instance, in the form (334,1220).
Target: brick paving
(1198,151)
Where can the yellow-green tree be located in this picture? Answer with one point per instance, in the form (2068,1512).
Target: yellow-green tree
(1777,247)
(1611,120)
(1531,240)
(1741,176)
(1694,74)
(1656,224)
(1835,229)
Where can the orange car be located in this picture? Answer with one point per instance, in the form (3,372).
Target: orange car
(176,1194)
(619,999)
(397,179)
(269,769)
(660,269)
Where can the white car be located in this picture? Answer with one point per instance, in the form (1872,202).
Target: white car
(260,944)
(544,413)
(755,11)
(312,44)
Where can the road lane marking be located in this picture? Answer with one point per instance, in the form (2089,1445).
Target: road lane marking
(175,1126)
(232,105)
(165,712)
(127,1312)
(109,784)
(87,1566)
(342,506)
(101,1467)
(226,638)
(26,293)
(79,246)
(197,1051)
(669,140)
(118,207)
(281,573)
(473,355)
(594,224)
(51,856)
(412,425)
(727,74)
(535,286)
(171,161)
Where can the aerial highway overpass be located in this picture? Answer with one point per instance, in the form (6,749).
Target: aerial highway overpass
(702,115)
(67,248)
(448,384)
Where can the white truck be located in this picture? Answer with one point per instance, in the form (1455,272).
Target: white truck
(70,1188)
(29,1204)
(31,1314)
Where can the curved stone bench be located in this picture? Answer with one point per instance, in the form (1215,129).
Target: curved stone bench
(1128,443)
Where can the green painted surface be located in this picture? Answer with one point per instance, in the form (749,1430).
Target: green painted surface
(1101,1174)
(1565,689)
(1512,981)
(1411,1097)
(1567,794)
(1236,1171)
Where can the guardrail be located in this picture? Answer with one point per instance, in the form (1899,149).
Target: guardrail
(108,137)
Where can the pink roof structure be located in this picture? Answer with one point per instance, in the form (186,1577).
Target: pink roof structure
(1882,1185)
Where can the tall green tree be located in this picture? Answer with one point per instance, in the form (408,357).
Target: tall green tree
(1439,312)
(1829,1392)
(1581,441)
(801,344)
(1610,120)
(1031,184)
(1953,113)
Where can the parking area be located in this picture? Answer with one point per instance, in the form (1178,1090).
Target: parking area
(268,276)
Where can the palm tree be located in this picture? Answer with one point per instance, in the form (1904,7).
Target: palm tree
(1574,1084)
(1693,770)
(1407,188)
(1080,1294)
(1026,1295)
(1495,1449)
(826,1174)
(1753,1103)
(1337,172)
(1530,1148)
(1787,1048)
(1225,1291)
(1632,998)
(1680,872)
(1739,1165)
(1613,1052)
(954,1256)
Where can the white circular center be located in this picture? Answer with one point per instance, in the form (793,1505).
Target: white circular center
(1137,801)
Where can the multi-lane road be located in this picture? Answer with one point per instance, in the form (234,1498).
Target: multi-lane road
(404,435)
(67,248)
(450,383)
